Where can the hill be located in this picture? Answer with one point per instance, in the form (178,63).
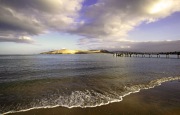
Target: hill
(67,51)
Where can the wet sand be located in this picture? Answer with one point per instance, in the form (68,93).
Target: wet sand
(161,100)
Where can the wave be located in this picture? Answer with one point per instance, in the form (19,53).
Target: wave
(91,98)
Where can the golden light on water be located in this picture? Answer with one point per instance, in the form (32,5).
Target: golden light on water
(160,6)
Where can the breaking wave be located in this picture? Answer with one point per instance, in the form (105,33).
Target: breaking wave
(91,98)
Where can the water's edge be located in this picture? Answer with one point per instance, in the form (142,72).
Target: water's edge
(132,89)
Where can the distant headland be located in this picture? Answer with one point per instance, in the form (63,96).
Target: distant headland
(67,51)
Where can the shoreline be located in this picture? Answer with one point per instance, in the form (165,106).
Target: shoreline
(36,109)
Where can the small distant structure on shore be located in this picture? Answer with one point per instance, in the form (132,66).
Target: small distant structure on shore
(148,54)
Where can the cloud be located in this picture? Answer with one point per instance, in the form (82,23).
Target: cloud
(34,17)
(157,46)
(102,25)
(113,19)
(149,46)
(17,39)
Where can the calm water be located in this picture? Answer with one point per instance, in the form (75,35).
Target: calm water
(86,80)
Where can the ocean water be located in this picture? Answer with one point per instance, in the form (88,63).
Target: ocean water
(82,80)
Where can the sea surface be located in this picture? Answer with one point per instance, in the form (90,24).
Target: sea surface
(81,80)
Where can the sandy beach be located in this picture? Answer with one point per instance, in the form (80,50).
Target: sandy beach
(161,100)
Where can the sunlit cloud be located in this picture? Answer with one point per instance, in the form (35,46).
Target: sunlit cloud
(115,18)
(160,6)
(104,23)
(112,20)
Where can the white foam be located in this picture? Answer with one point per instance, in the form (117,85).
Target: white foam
(77,98)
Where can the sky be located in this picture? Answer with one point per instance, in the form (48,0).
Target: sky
(34,26)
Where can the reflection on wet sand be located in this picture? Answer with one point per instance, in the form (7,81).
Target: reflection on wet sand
(161,100)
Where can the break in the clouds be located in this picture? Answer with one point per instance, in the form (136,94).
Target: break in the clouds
(102,23)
